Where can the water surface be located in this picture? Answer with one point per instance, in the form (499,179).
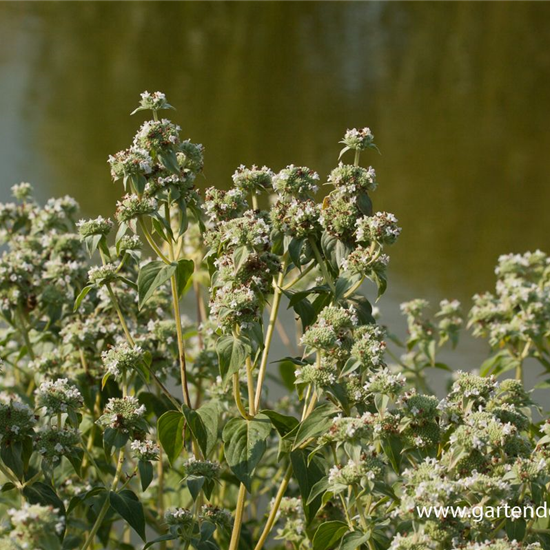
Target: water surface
(456,94)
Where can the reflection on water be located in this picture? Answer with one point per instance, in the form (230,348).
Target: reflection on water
(456,94)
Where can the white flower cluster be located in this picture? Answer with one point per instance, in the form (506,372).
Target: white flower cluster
(122,358)
(519,311)
(29,523)
(59,396)
(123,413)
(145,449)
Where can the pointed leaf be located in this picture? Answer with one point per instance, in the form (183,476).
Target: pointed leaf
(245,444)
(127,504)
(150,277)
(170,431)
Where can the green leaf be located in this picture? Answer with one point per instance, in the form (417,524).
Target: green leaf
(197,427)
(145,473)
(170,431)
(210,415)
(232,353)
(162,538)
(127,504)
(9,486)
(41,493)
(12,456)
(286,370)
(364,204)
(353,540)
(195,484)
(184,272)
(114,438)
(305,310)
(150,277)
(307,473)
(169,160)
(83,293)
(245,444)
(328,535)
(295,250)
(335,250)
(392,447)
(317,423)
(281,422)
(515,528)
(82,497)
(318,489)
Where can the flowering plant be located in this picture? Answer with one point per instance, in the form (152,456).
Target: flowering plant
(101,448)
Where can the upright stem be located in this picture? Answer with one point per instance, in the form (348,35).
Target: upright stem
(236,534)
(277,294)
(308,409)
(116,305)
(237,398)
(106,504)
(181,347)
(152,242)
(274,509)
(250,384)
(177,316)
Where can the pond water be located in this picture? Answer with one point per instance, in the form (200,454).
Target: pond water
(455,93)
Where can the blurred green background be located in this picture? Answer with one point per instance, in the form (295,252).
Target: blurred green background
(457,95)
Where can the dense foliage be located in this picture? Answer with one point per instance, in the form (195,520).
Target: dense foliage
(122,418)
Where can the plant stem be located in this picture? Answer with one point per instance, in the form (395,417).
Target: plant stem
(177,315)
(238,400)
(274,509)
(181,347)
(354,288)
(236,533)
(250,384)
(277,294)
(116,305)
(308,408)
(152,242)
(9,475)
(346,513)
(300,276)
(106,504)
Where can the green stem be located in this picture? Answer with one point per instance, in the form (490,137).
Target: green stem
(274,509)
(236,533)
(9,475)
(354,288)
(300,277)
(237,398)
(308,408)
(277,294)
(250,383)
(152,242)
(118,309)
(105,508)
(346,513)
